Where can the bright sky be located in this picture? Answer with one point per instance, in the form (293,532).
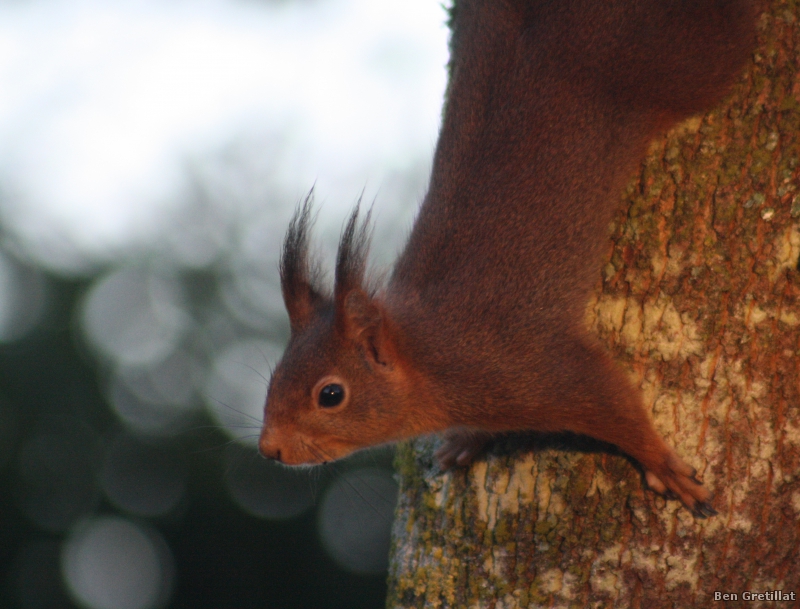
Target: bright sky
(103,102)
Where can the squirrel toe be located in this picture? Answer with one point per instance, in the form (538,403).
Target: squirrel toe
(703,509)
(461,447)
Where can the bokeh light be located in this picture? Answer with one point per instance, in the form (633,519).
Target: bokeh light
(113,563)
(22,298)
(253,295)
(171,381)
(266,489)
(134,317)
(156,399)
(237,387)
(355,519)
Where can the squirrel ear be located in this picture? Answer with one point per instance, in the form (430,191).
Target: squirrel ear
(302,302)
(359,317)
(361,320)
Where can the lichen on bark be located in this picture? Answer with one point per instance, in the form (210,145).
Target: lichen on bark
(699,300)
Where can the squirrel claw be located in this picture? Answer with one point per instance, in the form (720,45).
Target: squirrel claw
(703,509)
(461,447)
(677,480)
(693,477)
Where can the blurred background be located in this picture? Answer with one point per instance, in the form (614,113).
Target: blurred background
(151,154)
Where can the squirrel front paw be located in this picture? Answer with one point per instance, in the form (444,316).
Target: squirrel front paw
(461,446)
(678,480)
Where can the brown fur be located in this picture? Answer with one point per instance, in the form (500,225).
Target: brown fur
(550,107)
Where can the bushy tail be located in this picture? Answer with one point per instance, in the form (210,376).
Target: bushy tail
(675,56)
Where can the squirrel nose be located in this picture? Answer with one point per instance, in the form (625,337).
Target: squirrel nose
(268,450)
(271,453)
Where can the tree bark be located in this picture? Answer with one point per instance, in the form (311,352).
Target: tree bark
(700,301)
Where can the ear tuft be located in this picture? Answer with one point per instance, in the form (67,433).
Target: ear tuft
(351,261)
(359,316)
(298,274)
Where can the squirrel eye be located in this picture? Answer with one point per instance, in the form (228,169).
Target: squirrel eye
(331,395)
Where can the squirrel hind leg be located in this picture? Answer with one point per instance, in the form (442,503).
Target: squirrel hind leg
(601,402)
(461,447)
(675,479)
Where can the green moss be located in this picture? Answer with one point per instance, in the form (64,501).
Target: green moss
(501,531)
(536,596)
(405,464)
(756,200)
(544,527)
(795,209)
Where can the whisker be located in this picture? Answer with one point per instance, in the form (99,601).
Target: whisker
(266,380)
(244,414)
(386,500)
(248,436)
(355,489)
(354,473)
(266,361)
(319,453)
(311,486)
(327,462)
(232,464)
(323,468)
(233,441)
(374,508)
(223,427)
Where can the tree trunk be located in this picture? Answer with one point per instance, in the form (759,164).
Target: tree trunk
(700,301)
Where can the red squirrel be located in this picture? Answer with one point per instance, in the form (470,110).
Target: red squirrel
(480,327)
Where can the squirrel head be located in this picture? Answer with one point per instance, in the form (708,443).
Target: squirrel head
(339,386)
